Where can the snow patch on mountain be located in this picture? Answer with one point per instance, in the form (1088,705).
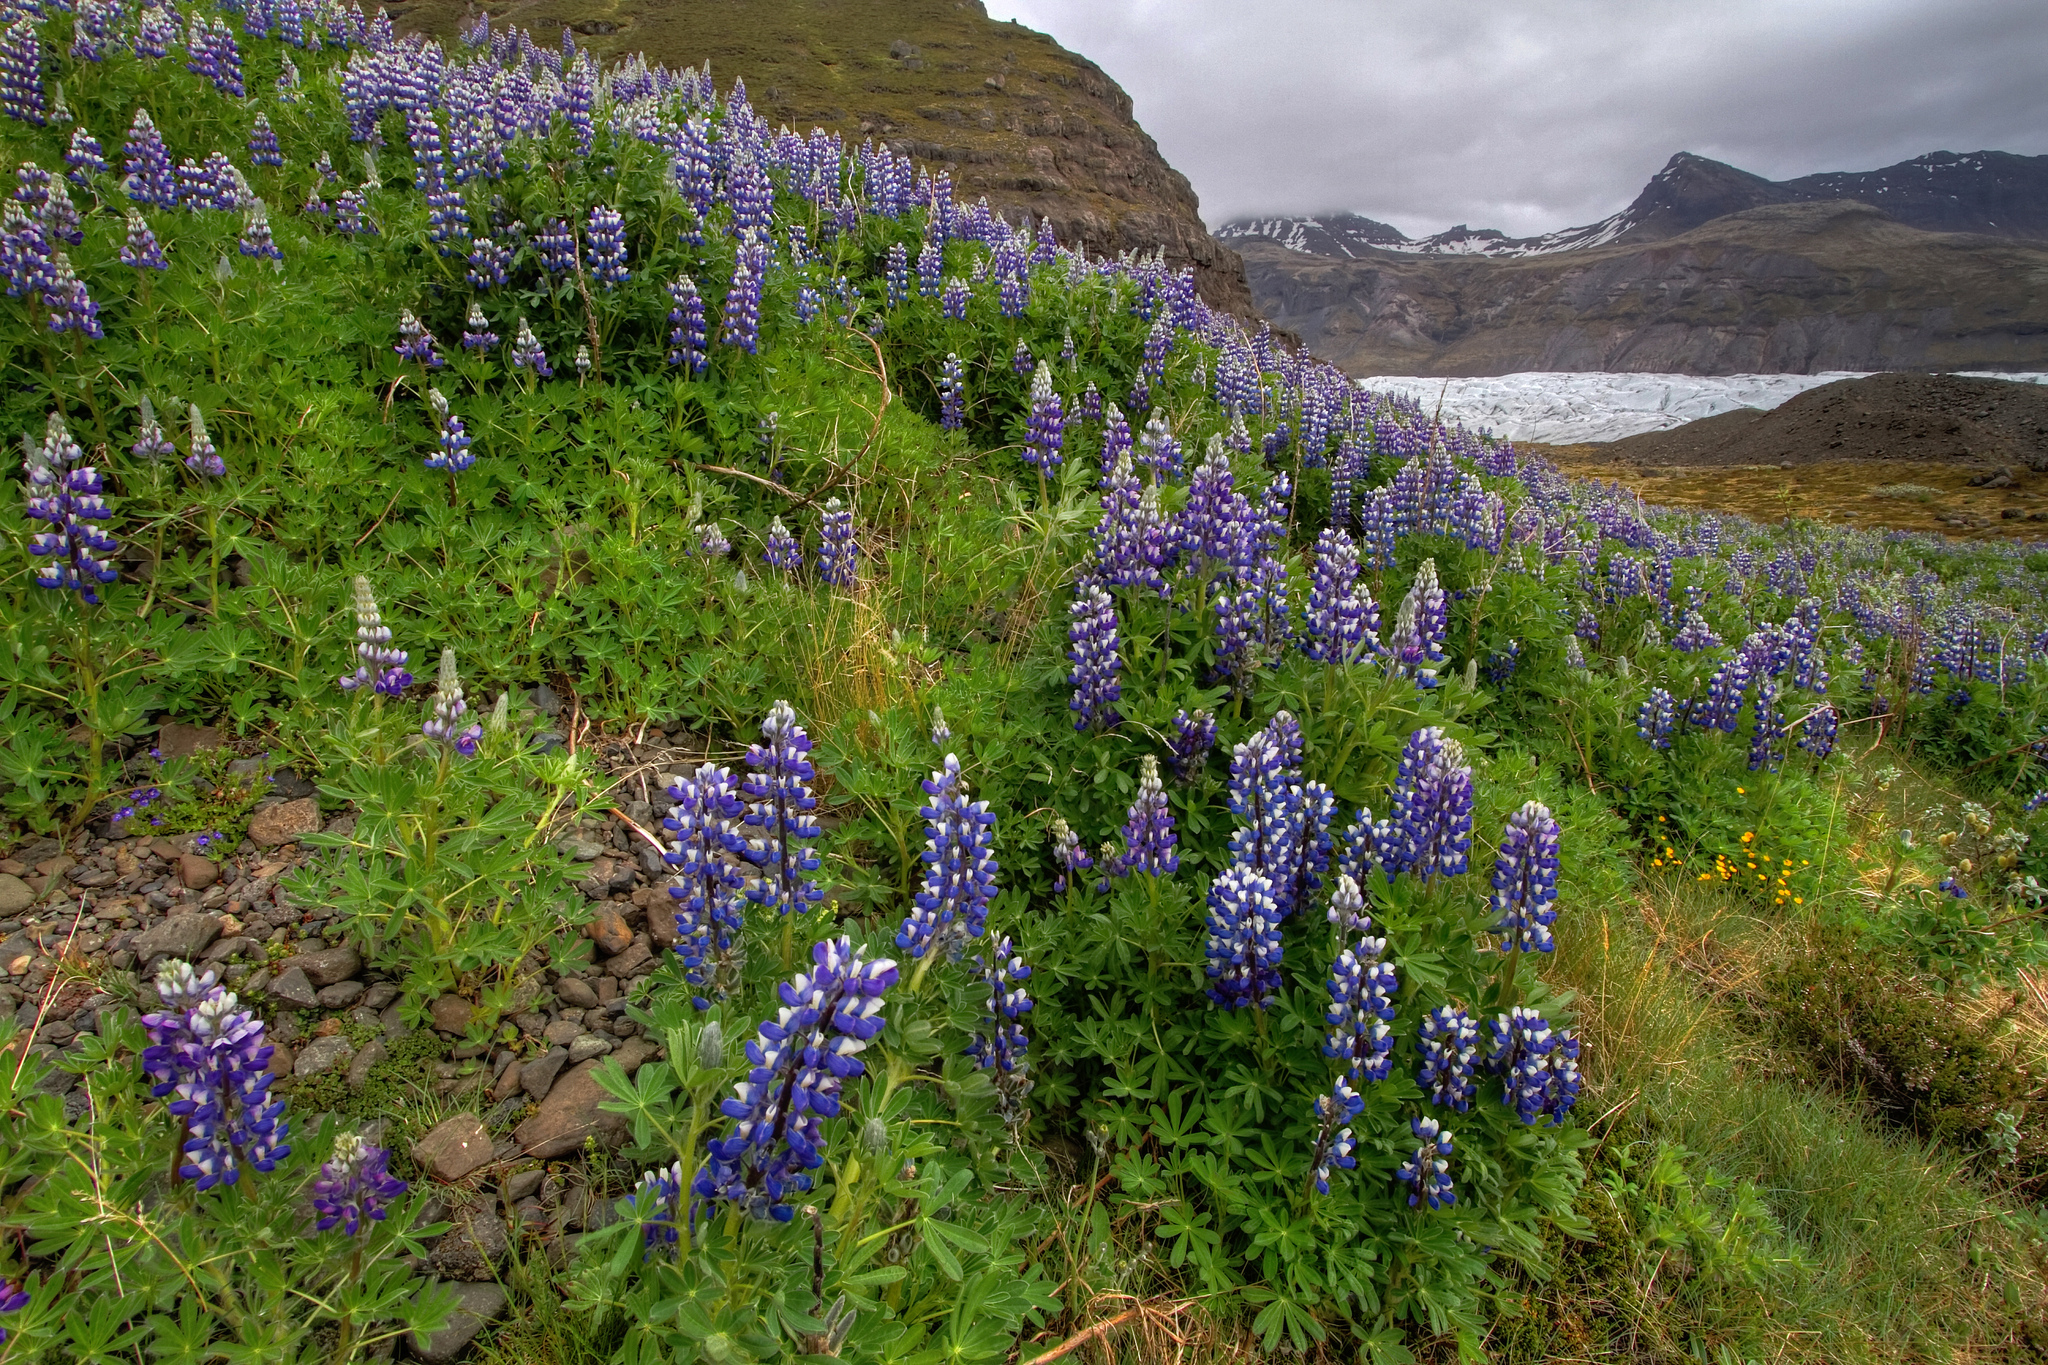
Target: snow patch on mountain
(1566,407)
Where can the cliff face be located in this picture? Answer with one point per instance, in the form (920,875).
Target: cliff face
(1009,112)
(1790,288)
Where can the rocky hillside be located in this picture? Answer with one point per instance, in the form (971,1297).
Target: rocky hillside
(1011,113)
(1790,288)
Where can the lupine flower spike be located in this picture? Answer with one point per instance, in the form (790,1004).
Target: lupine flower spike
(1334,1143)
(960,867)
(445,725)
(209,1058)
(1525,880)
(1427,1173)
(355,1187)
(1194,735)
(378,666)
(838,555)
(704,827)
(778,816)
(1148,828)
(1069,854)
(1000,1044)
(66,495)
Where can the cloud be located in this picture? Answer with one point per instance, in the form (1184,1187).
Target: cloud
(1533,115)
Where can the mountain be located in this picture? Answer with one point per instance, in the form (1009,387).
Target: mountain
(1009,112)
(1997,194)
(1786,288)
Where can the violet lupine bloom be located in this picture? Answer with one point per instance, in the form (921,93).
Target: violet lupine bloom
(350,218)
(1449,1040)
(931,266)
(781,551)
(1020,360)
(150,441)
(557,245)
(21,73)
(355,1187)
(1695,635)
(149,179)
(1430,832)
(141,249)
(953,302)
(489,262)
(210,1059)
(378,666)
(84,157)
(1044,427)
(1538,1067)
(960,867)
(1525,881)
(838,555)
(451,451)
(1362,990)
(77,554)
(71,306)
(952,394)
(1415,648)
(1070,855)
(1116,442)
(1343,620)
(742,315)
(1723,701)
(257,240)
(415,342)
(527,354)
(704,825)
(1091,403)
(1000,1044)
(688,345)
(1656,717)
(1767,733)
(711,541)
(1244,939)
(445,725)
(1427,1174)
(476,331)
(897,274)
(156,28)
(1126,541)
(1158,451)
(1334,1143)
(657,1202)
(1263,792)
(942,733)
(800,1061)
(263,149)
(778,816)
(1194,735)
(1817,732)
(1149,837)
(13,1298)
(1092,648)
(607,233)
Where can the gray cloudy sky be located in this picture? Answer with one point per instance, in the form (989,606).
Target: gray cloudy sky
(1531,115)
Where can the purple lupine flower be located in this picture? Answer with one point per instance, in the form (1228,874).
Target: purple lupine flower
(1206,521)
(13,1298)
(1045,425)
(1538,1067)
(93,31)
(1723,701)
(150,179)
(686,339)
(782,552)
(1695,635)
(952,394)
(1067,348)
(1656,717)
(350,220)
(1525,881)
(225,61)
(953,302)
(21,72)
(1362,990)
(1149,837)
(71,306)
(1244,939)
(70,498)
(43,194)
(379,667)
(1013,300)
(582,364)
(1430,832)
(942,733)
(141,249)
(355,1187)
(156,28)
(1767,733)
(1448,1042)
(1343,621)
(1020,360)
(1091,403)
(1124,538)
(1158,451)
(1252,623)
(960,867)
(84,157)
(897,274)
(778,816)
(451,449)
(931,266)
(257,240)
(1116,443)
(150,441)
(1334,1143)
(1263,790)
(800,1061)
(741,318)
(210,1059)
(704,825)
(657,1202)
(1817,732)
(557,245)
(607,233)
(1415,648)
(809,303)
(1092,648)
(711,541)
(203,459)
(838,555)
(445,726)
(1000,1044)
(476,331)
(1194,735)
(489,263)
(263,149)
(1427,1173)
(415,342)
(1070,855)
(527,354)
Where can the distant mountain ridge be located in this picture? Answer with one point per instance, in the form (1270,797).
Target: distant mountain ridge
(1995,194)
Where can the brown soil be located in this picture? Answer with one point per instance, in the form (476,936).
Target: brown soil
(1936,418)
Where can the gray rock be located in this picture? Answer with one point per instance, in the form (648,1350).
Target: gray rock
(292,988)
(545,700)
(326,966)
(323,1055)
(569,1115)
(473,1248)
(562,1032)
(450,1014)
(181,936)
(340,995)
(520,1184)
(579,847)
(588,1046)
(477,1306)
(575,992)
(380,996)
(15,896)
(240,946)
(538,1076)
(177,740)
(455,1148)
(284,822)
(372,1053)
(290,785)
(196,872)
(632,962)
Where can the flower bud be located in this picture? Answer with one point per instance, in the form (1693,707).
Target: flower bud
(711,1047)
(874,1135)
